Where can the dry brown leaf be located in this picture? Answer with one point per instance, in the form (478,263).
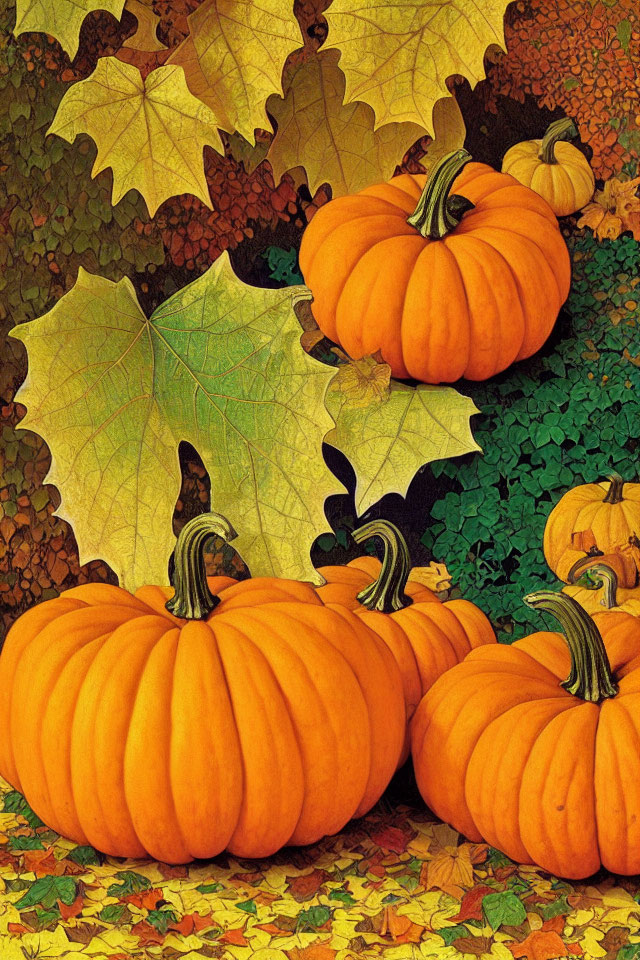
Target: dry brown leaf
(613,210)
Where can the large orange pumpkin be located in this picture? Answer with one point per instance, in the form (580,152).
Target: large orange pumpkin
(544,768)
(593,520)
(444,286)
(425,636)
(143,732)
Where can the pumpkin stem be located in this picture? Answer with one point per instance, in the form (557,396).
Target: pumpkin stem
(614,493)
(192,599)
(609,580)
(564,129)
(387,593)
(591,677)
(437,213)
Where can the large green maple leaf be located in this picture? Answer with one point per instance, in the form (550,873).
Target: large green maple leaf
(218,364)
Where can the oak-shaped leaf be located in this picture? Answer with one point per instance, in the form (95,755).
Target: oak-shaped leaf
(151,131)
(218,364)
(397,55)
(234,56)
(388,430)
(61,19)
(335,142)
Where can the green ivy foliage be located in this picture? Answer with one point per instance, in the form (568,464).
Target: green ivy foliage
(570,415)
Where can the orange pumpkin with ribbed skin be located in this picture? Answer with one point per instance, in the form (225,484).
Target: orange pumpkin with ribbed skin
(462,293)
(148,734)
(557,171)
(545,769)
(425,636)
(608,513)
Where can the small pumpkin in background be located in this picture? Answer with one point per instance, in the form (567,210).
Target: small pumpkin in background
(555,170)
(595,520)
(458,274)
(597,591)
(545,769)
(425,636)
(227,717)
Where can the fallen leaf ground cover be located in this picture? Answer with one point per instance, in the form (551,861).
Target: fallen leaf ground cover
(396,884)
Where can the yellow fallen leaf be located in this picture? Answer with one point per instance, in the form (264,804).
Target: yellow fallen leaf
(590,942)
(61,19)
(335,142)
(234,56)
(150,132)
(145,37)
(397,55)
(435,576)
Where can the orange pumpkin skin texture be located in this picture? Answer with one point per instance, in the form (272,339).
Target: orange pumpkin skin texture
(608,512)
(426,636)
(557,171)
(469,304)
(147,734)
(507,755)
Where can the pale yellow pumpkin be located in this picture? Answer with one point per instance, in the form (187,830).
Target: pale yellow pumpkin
(555,170)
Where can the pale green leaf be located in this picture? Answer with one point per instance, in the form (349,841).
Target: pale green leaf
(220,365)
(388,434)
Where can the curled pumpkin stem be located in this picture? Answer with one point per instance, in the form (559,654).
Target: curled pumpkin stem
(563,129)
(614,493)
(608,580)
(591,677)
(387,593)
(192,599)
(437,214)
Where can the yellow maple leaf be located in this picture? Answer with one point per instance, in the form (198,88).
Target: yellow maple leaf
(614,209)
(334,142)
(145,36)
(61,19)
(234,56)
(150,132)
(397,55)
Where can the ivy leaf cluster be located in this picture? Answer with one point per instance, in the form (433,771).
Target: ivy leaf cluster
(570,415)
